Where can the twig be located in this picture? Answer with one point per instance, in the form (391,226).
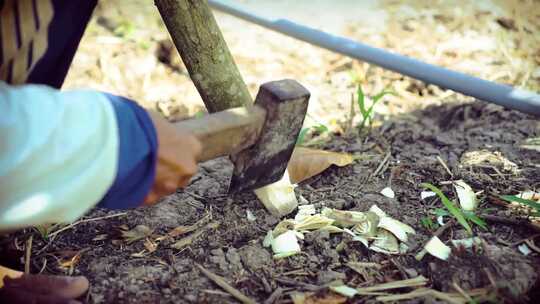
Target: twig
(274,296)
(216,292)
(43,266)
(220,281)
(400,268)
(490,277)
(461,292)
(512,221)
(306,286)
(420,255)
(382,164)
(418,281)
(531,245)
(52,234)
(354,265)
(532,237)
(445,166)
(188,240)
(28,254)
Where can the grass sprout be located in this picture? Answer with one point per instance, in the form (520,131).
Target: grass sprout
(318,128)
(462,217)
(365,111)
(428,223)
(533,204)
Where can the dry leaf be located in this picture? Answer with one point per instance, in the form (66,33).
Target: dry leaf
(181,230)
(188,240)
(306,162)
(178,231)
(69,262)
(68,259)
(137,233)
(150,245)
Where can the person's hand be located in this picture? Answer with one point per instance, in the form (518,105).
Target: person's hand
(177,159)
(43,289)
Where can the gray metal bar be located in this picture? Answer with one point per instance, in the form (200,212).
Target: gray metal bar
(503,95)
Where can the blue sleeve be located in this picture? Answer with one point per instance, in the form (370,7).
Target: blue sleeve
(138,146)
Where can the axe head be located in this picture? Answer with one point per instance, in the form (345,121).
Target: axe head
(265,162)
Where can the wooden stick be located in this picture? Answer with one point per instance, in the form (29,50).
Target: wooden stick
(28,254)
(220,281)
(208,60)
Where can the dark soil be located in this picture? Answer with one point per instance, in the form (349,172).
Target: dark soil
(234,249)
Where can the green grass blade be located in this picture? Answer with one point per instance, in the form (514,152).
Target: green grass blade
(513,198)
(455,211)
(476,219)
(361,100)
(428,223)
(301,136)
(441,212)
(321,128)
(377,97)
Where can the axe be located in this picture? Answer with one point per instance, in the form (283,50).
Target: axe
(259,138)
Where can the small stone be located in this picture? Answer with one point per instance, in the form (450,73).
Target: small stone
(255,257)
(234,259)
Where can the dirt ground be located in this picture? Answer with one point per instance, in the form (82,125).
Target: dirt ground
(416,133)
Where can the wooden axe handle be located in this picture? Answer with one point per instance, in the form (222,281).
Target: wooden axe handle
(226,132)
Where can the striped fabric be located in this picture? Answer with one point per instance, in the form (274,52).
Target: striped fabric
(24,28)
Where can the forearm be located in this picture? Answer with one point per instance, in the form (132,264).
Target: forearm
(61,153)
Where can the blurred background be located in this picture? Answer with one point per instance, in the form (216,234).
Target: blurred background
(126,50)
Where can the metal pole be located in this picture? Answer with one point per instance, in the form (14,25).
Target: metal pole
(503,95)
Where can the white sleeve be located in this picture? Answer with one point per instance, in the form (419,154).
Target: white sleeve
(58,154)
